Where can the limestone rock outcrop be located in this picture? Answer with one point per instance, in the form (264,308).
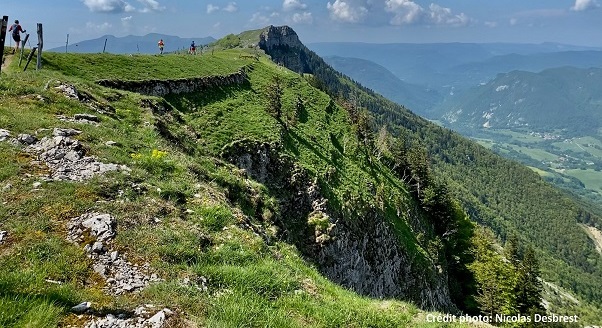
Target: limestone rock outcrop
(363,254)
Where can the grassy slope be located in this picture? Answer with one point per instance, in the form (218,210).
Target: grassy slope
(250,283)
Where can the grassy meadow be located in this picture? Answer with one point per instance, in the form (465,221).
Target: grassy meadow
(175,211)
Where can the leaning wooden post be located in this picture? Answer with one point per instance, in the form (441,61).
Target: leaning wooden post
(29,57)
(105,47)
(3,37)
(40,46)
(23,48)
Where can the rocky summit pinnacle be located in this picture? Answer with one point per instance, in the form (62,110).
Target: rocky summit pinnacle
(278,36)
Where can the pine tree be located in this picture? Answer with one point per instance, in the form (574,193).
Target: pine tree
(512,250)
(493,276)
(528,288)
(274,95)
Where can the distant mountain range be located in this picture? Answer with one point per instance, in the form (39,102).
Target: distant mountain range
(565,98)
(130,44)
(448,67)
(376,77)
(443,72)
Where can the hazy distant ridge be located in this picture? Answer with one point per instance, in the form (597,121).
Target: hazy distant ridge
(130,44)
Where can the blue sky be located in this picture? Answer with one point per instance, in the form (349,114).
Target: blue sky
(381,21)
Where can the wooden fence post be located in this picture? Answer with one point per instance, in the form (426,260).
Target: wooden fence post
(105,47)
(3,37)
(23,48)
(40,46)
(29,57)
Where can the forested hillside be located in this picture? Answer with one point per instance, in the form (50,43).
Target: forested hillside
(566,99)
(501,194)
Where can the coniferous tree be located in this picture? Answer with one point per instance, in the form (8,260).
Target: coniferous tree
(512,251)
(528,288)
(274,95)
(493,276)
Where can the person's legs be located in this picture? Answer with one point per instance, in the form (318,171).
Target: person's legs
(17,39)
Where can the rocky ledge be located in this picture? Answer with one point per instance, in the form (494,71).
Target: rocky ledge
(96,231)
(66,158)
(160,88)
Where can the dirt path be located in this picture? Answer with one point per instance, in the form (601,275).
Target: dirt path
(6,60)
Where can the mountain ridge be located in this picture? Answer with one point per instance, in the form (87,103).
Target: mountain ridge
(229,211)
(511,201)
(376,77)
(130,44)
(244,194)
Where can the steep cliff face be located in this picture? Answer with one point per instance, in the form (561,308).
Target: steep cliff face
(370,260)
(283,45)
(363,254)
(278,36)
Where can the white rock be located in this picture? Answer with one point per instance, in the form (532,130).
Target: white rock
(59,132)
(101,225)
(101,269)
(158,320)
(81,307)
(98,247)
(4,134)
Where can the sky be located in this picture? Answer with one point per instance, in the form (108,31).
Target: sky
(577,22)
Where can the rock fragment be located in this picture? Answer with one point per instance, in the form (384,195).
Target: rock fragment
(81,307)
(59,132)
(4,134)
(26,139)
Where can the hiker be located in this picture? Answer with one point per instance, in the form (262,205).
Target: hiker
(16,29)
(161,45)
(192,48)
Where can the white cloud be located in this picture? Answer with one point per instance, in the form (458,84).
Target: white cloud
(108,6)
(126,21)
(491,24)
(344,11)
(259,19)
(101,28)
(290,5)
(231,7)
(408,12)
(513,21)
(581,5)
(444,16)
(151,5)
(211,8)
(303,18)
